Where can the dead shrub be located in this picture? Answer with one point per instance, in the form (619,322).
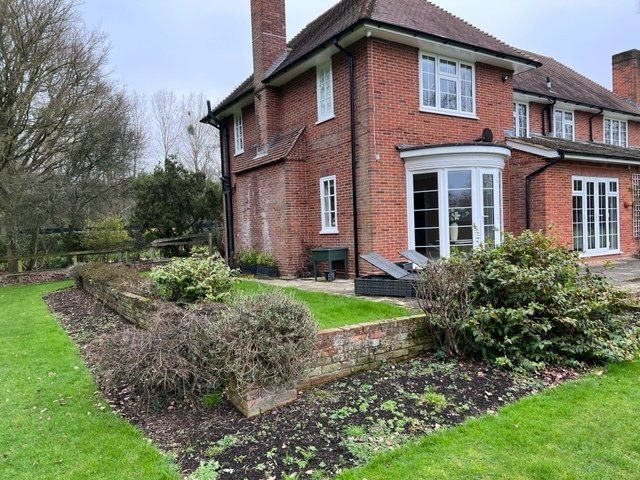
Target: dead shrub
(174,358)
(266,341)
(117,276)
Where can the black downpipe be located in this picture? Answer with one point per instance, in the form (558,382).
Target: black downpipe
(527,187)
(591,123)
(227,188)
(352,106)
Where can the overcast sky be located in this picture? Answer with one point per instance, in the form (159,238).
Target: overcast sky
(205,45)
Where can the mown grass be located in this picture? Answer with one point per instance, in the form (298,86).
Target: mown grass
(330,310)
(53,423)
(587,429)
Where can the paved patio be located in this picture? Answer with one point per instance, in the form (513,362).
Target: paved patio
(624,274)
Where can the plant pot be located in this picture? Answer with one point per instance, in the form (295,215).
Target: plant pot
(266,271)
(453,232)
(330,275)
(247,269)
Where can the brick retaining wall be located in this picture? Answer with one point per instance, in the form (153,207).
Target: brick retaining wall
(135,308)
(344,351)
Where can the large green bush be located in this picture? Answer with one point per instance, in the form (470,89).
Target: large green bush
(534,304)
(193,279)
(266,341)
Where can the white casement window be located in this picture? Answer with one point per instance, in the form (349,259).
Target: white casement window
(520,119)
(324,77)
(328,205)
(238,133)
(446,85)
(615,132)
(563,124)
(596,215)
(454,209)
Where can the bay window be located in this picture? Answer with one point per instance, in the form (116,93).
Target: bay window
(563,124)
(596,216)
(454,209)
(615,132)
(446,85)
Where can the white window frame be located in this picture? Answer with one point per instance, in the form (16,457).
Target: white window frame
(477,204)
(564,122)
(321,71)
(609,141)
(438,109)
(598,251)
(328,229)
(516,123)
(238,134)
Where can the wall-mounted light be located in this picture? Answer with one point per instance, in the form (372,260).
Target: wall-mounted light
(505,77)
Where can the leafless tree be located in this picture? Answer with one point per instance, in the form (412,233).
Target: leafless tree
(51,84)
(201,143)
(165,110)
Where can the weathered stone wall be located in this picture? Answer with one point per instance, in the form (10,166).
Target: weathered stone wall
(135,308)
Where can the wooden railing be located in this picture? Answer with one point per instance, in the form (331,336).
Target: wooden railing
(121,253)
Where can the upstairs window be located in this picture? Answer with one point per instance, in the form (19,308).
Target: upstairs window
(324,77)
(520,119)
(615,132)
(238,133)
(563,124)
(328,205)
(446,85)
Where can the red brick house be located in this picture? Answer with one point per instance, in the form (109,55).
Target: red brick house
(392,124)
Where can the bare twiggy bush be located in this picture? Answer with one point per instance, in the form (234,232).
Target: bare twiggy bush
(266,341)
(443,292)
(176,357)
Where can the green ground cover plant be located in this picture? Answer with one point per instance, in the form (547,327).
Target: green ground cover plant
(585,429)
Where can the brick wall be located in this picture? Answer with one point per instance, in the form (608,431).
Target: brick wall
(551,197)
(340,352)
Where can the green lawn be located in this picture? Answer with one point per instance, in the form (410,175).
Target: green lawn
(332,311)
(588,429)
(53,424)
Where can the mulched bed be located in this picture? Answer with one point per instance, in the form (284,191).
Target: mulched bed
(33,277)
(327,429)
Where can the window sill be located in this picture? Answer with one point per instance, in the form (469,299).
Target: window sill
(329,232)
(600,254)
(470,116)
(324,120)
(237,154)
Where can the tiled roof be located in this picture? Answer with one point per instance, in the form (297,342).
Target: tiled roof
(590,149)
(567,84)
(280,148)
(425,17)
(415,15)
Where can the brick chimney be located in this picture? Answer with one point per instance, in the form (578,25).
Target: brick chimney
(269,32)
(626,75)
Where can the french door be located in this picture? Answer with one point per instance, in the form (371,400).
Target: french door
(596,215)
